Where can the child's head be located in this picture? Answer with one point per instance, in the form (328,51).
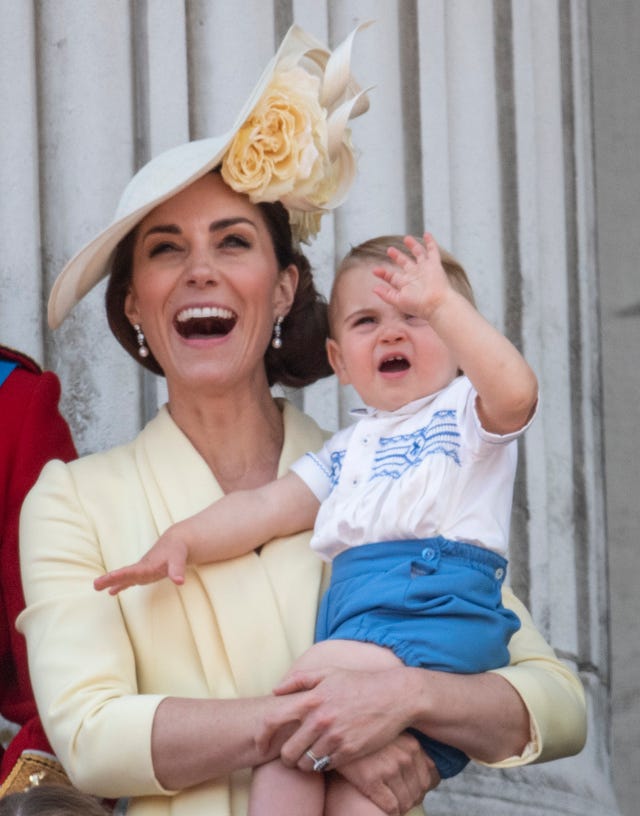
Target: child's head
(50,800)
(390,358)
(374,252)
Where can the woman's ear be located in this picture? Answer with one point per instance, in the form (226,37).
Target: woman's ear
(131,307)
(285,290)
(336,361)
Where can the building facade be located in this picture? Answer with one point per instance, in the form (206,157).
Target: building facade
(490,125)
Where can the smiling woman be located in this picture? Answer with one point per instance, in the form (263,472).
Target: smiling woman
(163,695)
(302,359)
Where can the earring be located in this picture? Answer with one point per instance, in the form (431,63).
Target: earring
(143,351)
(277,333)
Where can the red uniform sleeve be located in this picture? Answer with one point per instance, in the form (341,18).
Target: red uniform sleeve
(32,431)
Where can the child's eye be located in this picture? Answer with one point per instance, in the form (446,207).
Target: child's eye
(415,321)
(363,320)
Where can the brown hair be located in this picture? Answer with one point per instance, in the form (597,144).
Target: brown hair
(50,800)
(375,249)
(302,358)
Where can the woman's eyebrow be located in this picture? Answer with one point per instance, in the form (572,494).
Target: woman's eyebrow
(223,223)
(174,229)
(214,226)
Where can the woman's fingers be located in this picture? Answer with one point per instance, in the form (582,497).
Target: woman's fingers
(395,778)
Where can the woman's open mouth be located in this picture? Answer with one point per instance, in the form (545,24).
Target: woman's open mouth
(203,322)
(394,364)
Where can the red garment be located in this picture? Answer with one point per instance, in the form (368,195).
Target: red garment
(32,431)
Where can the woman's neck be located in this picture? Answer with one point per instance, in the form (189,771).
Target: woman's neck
(240,438)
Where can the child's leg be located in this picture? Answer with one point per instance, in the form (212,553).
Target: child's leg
(280,791)
(347,654)
(342,799)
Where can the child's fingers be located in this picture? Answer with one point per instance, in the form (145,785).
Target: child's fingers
(431,245)
(175,570)
(114,590)
(107,581)
(387,294)
(141,573)
(384,273)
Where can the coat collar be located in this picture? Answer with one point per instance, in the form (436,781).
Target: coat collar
(269,598)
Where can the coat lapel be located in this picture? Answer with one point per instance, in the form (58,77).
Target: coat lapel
(260,609)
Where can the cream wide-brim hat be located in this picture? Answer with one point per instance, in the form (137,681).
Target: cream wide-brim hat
(172,171)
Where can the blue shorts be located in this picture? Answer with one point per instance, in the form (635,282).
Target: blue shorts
(435,603)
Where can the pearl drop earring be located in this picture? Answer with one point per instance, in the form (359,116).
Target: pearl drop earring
(277,333)
(143,351)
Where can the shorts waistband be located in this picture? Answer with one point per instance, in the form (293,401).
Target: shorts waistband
(381,556)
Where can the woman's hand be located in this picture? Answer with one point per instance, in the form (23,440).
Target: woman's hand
(345,714)
(395,778)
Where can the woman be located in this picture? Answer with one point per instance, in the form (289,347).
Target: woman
(163,694)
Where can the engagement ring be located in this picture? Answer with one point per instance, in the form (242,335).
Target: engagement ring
(319,763)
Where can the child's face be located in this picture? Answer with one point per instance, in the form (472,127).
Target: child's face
(390,358)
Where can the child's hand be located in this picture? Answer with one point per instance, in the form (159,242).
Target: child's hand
(417,283)
(166,559)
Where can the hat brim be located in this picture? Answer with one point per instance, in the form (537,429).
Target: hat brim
(159,180)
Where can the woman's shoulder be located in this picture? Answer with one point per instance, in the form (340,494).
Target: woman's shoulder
(89,472)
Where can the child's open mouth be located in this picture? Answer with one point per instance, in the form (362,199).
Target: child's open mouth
(393,365)
(205,321)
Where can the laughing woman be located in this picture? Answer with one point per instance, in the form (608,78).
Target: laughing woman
(163,693)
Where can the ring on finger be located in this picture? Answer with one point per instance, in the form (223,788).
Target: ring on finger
(319,763)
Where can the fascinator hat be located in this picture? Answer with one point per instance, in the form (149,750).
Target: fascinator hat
(290,143)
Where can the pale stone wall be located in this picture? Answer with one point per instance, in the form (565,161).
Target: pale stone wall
(480,129)
(616,72)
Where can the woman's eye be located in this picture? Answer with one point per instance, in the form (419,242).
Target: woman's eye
(161,248)
(234,240)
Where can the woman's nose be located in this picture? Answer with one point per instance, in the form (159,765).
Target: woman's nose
(201,270)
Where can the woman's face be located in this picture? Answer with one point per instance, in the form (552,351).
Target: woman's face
(206,288)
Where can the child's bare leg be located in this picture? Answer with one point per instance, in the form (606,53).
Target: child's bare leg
(342,798)
(280,791)
(347,654)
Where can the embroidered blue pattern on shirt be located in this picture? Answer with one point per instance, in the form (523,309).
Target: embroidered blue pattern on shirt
(397,454)
(333,474)
(337,458)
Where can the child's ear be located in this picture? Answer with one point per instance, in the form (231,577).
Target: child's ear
(337,362)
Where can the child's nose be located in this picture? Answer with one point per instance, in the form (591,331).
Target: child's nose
(393,331)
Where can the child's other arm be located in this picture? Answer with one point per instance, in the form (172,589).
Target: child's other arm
(232,526)
(507,386)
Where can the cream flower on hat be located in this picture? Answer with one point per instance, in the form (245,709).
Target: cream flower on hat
(292,146)
(290,143)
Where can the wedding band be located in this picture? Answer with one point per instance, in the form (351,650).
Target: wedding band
(319,763)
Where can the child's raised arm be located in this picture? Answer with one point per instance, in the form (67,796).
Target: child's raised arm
(234,525)
(507,386)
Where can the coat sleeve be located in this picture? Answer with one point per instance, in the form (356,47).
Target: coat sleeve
(33,432)
(82,664)
(551,692)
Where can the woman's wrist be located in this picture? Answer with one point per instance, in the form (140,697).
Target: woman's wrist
(480,714)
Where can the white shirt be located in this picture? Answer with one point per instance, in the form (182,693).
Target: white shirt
(426,469)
